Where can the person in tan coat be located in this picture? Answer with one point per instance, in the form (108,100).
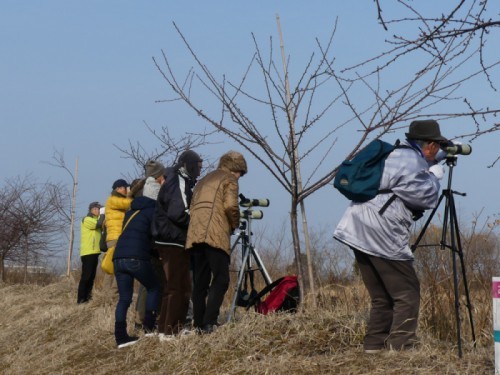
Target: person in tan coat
(215,215)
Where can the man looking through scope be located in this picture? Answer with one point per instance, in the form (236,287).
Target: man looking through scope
(380,240)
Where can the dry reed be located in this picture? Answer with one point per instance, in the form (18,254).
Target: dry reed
(43,331)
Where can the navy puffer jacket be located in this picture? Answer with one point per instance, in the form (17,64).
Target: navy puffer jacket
(136,241)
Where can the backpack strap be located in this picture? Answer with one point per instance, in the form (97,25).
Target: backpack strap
(388,191)
(253,300)
(387,204)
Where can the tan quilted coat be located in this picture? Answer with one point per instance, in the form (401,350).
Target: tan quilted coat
(214,207)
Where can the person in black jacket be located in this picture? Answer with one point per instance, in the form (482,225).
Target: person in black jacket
(132,260)
(170,227)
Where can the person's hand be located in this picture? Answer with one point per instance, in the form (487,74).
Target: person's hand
(437,170)
(101,210)
(441,155)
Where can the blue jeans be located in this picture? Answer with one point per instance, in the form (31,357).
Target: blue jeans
(128,269)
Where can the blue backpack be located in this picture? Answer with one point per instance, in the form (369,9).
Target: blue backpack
(359,179)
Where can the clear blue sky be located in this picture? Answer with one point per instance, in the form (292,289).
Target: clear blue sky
(78,76)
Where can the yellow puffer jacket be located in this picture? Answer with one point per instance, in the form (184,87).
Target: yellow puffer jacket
(214,207)
(90,235)
(116,206)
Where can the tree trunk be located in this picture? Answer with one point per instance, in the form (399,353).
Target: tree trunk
(296,246)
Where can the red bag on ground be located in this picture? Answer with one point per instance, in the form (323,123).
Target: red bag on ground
(284,296)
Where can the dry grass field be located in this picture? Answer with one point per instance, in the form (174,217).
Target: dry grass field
(43,331)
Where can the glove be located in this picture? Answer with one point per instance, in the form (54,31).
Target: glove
(437,170)
(101,210)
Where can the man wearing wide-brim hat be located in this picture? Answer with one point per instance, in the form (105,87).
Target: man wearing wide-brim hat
(380,239)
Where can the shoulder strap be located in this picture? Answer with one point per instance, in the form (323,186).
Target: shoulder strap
(130,218)
(266,289)
(387,191)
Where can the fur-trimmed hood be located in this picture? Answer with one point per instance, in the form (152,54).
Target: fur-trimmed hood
(233,161)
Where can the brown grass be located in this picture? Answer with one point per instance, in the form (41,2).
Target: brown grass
(43,331)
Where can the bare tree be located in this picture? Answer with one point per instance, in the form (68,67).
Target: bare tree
(31,221)
(451,38)
(60,162)
(169,149)
(297,132)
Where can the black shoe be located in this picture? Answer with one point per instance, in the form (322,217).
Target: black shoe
(208,328)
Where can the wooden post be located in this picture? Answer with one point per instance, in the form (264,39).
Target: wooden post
(293,144)
(72,218)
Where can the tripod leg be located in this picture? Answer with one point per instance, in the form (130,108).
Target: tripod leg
(422,232)
(456,233)
(241,273)
(262,269)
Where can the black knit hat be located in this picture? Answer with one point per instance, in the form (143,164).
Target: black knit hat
(120,183)
(190,160)
(425,130)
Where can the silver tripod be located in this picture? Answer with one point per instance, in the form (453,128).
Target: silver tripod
(250,262)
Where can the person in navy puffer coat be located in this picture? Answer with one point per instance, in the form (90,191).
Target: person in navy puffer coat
(132,260)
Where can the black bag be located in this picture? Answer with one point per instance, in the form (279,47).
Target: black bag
(102,243)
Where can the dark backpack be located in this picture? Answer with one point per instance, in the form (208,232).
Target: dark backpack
(359,179)
(284,295)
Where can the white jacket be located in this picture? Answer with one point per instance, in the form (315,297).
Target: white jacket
(406,173)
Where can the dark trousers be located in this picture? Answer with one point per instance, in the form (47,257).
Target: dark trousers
(177,291)
(395,299)
(211,280)
(126,271)
(89,267)
(140,306)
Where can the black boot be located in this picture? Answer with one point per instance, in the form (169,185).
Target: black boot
(149,322)
(121,336)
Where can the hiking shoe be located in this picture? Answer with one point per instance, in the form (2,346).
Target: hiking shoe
(165,338)
(373,351)
(128,341)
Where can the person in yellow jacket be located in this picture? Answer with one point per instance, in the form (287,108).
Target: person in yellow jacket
(117,204)
(89,250)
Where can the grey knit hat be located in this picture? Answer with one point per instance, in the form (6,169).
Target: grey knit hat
(154,169)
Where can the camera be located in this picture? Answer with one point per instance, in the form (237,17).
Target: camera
(245,202)
(453,149)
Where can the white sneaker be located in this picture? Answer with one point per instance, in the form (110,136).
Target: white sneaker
(130,341)
(186,332)
(373,351)
(164,338)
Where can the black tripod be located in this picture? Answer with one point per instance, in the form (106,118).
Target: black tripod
(455,245)
(247,267)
